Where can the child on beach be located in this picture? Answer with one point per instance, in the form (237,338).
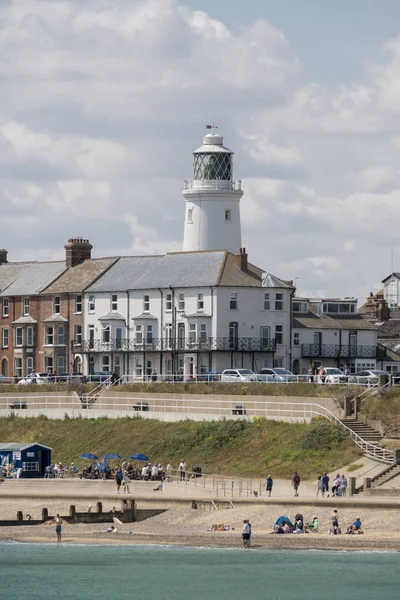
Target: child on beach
(246,535)
(268,485)
(58,522)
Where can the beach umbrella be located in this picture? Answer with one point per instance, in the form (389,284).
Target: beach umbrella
(112,456)
(139,457)
(89,456)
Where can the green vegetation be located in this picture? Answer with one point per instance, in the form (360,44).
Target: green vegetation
(235,447)
(311,390)
(386,409)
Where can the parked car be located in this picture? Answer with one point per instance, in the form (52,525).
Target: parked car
(78,377)
(141,406)
(99,376)
(333,375)
(276,375)
(4,379)
(35,378)
(369,377)
(237,375)
(18,405)
(210,376)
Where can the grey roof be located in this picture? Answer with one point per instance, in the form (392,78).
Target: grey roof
(55,319)
(24,321)
(317,321)
(28,279)
(112,316)
(198,315)
(146,316)
(271,281)
(20,445)
(185,269)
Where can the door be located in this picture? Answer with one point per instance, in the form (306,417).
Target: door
(353,344)
(317,344)
(118,338)
(181,336)
(233,335)
(264,337)
(117,365)
(91,337)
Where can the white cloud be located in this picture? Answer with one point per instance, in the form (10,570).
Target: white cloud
(103,101)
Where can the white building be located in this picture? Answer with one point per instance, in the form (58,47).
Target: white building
(330,332)
(196,312)
(212,215)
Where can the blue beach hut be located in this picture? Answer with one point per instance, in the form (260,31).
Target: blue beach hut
(31,458)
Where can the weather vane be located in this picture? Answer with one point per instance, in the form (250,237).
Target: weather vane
(213,127)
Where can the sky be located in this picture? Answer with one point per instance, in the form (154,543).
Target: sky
(103,101)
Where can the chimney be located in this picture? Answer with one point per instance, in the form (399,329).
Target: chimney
(77,250)
(242,259)
(383,312)
(3,256)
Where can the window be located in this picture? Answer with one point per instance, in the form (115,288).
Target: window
(18,367)
(29,336)
(233,335)
(117,365)
(228,215)
(106,363)
(29,365)
(266,301)
(139,367)
(192,332)
(146,303)
(30,466)
(233,304)
(200,301)
(203,332)
(278,362)
(190,215)
(92,363)
(392,369)
(181,301)
(18,336)
(5,307)
(279,301)
(91,336)
(149,367)
(300,307)
(4,338)
(265,334)
(139,334)
(60,365)
(78,334)
(118,338)
(49,335)
(114,302)
(60,335)
(56,305)
(91,304)
(26,307)
(168,302)
(78,304)
(279,334)
(105,333)
(343,308)
(149,334)
(296,339)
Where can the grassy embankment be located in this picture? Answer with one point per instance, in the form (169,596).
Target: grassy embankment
(311,390)
(241,448)
(386,409)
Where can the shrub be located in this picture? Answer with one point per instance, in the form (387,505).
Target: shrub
(322,435)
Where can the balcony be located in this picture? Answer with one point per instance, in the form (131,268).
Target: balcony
(337,351)
(176,345)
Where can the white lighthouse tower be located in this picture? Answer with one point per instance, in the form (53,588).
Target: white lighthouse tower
(212,216)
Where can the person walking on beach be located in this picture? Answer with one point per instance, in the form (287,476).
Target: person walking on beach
(126,481)
(268,485)
(169,471)
(320,486)
(246,535)
(58,522)
(118,476)
(296,483)
(325,480)
(335,522)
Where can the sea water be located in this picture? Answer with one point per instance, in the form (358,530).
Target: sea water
(79,572)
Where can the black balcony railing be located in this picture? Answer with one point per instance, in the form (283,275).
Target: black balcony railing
(337,351)
(177,345)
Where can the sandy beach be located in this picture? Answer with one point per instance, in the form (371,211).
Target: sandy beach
(185,526)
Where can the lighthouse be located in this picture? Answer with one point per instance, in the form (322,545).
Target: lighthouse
(212,212)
